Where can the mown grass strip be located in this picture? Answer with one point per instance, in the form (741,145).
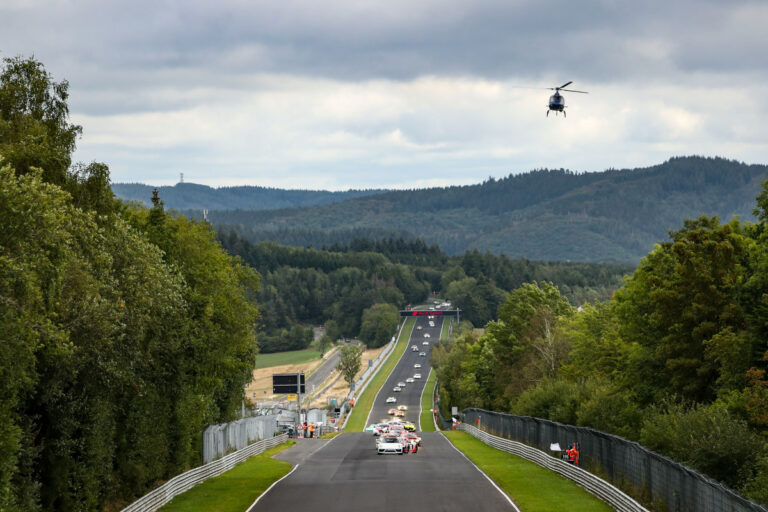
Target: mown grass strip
(363,406)
(444,330)
(235,490)
(291,357)
(531,487)
(427,424)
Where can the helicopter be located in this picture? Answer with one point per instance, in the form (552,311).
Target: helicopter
(557,100)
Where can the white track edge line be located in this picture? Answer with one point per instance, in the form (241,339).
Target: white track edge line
(482,473)
(271,486)
(368,418)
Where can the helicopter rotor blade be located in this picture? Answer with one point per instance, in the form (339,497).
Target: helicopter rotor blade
(571,90)
(564,85)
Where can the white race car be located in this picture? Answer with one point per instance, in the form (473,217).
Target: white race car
(417,365)
(389,445)
(391,400)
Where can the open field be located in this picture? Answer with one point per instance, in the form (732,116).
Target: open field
(363,406)
(531,487)
(235,490)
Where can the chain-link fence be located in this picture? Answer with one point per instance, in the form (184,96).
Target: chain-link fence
(652,478)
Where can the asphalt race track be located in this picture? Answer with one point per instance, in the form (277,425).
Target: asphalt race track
(347,475)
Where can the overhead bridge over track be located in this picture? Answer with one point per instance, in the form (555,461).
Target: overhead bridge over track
(429,312)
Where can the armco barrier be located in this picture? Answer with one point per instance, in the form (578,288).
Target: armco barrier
(593,484)
(185,481)
(651,477)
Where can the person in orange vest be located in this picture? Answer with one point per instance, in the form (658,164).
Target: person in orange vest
(575,452)
(571,454)
(311,430)
(305,429)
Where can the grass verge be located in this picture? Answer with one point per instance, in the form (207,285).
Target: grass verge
(363,406)
(237,489)
(444,331)
(533,488)
(427,424)
(282,358)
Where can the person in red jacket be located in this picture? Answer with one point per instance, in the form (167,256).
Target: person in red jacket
(575,452)
(571,454)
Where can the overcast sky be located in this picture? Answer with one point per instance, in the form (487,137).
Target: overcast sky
(397,93)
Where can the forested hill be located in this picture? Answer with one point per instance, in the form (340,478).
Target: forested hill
(191,196)
(615,215)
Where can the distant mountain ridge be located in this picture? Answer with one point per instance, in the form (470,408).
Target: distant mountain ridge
(555,215)
(191,196)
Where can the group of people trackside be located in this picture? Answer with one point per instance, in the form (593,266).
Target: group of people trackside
(309,430)
(572,454)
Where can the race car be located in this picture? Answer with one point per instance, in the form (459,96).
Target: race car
(422,354)
(397,388)
(418,327)
(409,379)
(391,411)
(425,343)
(417,365)
(410,427)
(413,437)
(416,375)
(402,407)
(401,384)
(400,414)
(391,400)
(414,348)
(389,445)
(426,335)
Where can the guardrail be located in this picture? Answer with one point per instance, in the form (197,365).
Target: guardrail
(595,485)
(185,481)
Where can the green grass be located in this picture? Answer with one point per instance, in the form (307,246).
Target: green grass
(237,489)
(363,406)
(427,423)
(291,357)
(444,330)
(533,488)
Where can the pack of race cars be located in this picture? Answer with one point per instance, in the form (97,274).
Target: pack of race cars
(395,437)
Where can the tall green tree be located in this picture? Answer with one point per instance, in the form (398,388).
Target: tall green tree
(379,323)
(350,362)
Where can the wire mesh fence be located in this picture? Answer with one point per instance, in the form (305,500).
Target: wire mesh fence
(650,477)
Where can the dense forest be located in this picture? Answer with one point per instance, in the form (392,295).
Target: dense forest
(616,215)
(676,359)
(337,285)
(191,196)
(123,331)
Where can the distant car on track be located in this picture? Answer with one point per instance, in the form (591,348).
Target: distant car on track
(391,411)
(402,407)
(401,384)
(426,335)
(417,376)
(422,354)
(397,389)
(418,327)
(391,400)
(425,343)
(409,379)
(417,365)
